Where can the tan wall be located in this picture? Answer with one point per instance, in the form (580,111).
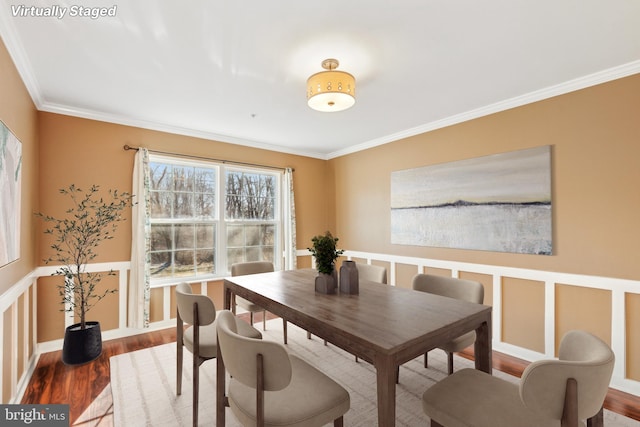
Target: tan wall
(86,152)
(523,313)
(595,174)
(583,308)
(18,113)
(633,336)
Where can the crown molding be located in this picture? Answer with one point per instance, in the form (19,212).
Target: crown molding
(16,51)
(594,79)
(22,64)
(529,98)
(173,129)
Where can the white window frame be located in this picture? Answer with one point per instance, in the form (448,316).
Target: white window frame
(220,255)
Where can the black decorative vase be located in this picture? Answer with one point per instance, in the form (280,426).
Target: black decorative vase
(349,282)
(81,345)
(327,283)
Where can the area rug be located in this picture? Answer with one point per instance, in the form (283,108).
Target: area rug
(143,384)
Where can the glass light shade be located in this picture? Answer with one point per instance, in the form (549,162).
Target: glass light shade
(330,91)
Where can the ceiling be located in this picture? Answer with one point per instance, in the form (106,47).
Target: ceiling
(235,71)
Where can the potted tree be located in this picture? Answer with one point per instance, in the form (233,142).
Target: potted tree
(324,251)
(88,222)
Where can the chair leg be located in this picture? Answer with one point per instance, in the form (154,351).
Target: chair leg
(284,330)
(597,420)
(179,352)
(308,335)
(264,320)
(426,360)
(356,359)
(251,317)
(450,363)
(196,363)
(196,388)
(259,390)
(179,369)
(397,374)
(570,409)
(338,422)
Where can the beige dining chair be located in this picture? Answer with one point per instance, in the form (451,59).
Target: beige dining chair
(200,337)
(467,290)
(270,387)
(372,272)
(254,267)
(246,268)
(558,392)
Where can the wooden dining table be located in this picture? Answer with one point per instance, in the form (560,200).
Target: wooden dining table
(384,325)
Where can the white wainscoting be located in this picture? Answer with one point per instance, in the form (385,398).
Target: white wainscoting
(9,301)
(618,288)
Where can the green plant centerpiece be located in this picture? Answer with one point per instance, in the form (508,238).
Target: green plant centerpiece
(89,221)
(325,252)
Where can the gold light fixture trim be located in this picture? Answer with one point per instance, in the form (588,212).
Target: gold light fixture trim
(331,90)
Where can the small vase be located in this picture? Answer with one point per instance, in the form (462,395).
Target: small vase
(327,283)
(349,283)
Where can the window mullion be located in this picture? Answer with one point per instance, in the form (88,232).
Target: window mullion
(221,241)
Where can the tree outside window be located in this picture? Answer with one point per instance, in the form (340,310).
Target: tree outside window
(189,214)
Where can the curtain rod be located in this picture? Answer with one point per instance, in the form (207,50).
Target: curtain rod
(128,147)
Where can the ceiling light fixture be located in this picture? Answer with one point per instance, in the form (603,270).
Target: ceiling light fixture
(331,90)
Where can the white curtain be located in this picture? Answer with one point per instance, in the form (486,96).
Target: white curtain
(139,278)
(290,259)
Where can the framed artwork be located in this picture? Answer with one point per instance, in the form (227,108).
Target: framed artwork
(499,203)
(10,183)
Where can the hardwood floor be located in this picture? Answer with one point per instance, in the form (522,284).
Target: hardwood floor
(82,386)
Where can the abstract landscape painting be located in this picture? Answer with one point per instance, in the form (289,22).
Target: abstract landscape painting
(498,203)
(10,180)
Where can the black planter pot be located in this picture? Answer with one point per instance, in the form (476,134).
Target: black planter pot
(81,345)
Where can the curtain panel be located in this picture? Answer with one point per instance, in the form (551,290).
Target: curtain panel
(290,259)
(140,275)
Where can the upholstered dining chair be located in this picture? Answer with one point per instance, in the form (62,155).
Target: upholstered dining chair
(557,392)
(243,269)
(372,272)
(200,337)
(254,267)
(462,289)
(270,387)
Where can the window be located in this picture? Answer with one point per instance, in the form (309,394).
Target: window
(205,217)
(250,215)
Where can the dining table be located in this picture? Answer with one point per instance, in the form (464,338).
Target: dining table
(382,324)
